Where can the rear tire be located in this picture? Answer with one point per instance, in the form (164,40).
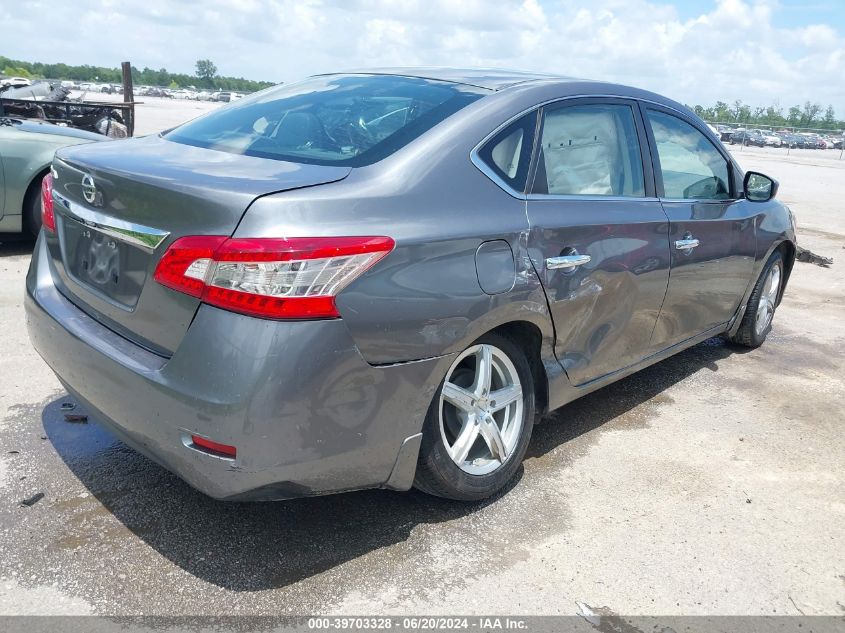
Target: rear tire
(472,444)
(32,208)
(760,311)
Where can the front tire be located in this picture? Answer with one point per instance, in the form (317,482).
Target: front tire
(760,311)
(479,423)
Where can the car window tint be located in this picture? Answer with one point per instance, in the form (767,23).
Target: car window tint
(590,150)
(351,120)
(508,153)
(691,166)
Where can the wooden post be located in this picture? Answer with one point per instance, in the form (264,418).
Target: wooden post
(129,96)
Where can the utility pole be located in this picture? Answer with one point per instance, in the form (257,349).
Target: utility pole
(129,96)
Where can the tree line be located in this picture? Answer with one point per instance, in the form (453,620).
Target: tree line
(811,115)
(205,77)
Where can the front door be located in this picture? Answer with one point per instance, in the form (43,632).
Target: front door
(599,237)
(712,232)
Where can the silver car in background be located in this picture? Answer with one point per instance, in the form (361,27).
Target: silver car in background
(381,279)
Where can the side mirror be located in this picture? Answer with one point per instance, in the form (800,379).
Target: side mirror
(759,187)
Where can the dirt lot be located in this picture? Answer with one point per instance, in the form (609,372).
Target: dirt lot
(711,483)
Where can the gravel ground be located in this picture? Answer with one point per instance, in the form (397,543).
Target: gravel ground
(711,483)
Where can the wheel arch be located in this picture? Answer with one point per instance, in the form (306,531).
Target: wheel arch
(33,186)
(23,181)
(528,336)
(30,167)
(788,248)
(789,251)
(31,200)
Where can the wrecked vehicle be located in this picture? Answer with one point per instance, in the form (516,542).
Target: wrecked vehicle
(37,91)
(26,151)
(52,103)
(380,279)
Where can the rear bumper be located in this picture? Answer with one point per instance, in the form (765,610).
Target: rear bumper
(307,414)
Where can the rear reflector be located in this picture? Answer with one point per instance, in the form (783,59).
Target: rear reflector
(221,449)
(295,278)
(48,218)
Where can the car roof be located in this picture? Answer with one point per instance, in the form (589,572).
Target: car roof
(489,78)
(497,80)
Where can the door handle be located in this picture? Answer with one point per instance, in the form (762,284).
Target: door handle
(686,244)
(567,262)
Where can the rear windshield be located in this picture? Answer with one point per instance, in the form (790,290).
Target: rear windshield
(350,120)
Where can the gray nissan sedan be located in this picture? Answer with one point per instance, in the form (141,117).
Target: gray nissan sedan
(381,279)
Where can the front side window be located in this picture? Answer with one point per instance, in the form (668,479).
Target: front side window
(692,168)
(589,150)
(347,120)
(508,153)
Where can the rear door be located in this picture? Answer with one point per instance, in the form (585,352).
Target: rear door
(711,229)
(599,236)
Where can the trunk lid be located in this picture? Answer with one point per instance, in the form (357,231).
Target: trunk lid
(120,205)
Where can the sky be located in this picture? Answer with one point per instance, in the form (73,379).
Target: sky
(695,51)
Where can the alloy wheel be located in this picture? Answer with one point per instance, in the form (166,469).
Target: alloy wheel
(768,299)
(481,409)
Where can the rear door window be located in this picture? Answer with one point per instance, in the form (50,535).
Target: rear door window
(590,150)
(508,153)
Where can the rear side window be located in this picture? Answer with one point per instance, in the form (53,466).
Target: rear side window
(349,120)
(590,150)
(692,168)
(508,153)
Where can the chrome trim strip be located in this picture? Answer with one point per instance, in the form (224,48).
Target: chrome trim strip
(144,237)
(724,201)
(589,197)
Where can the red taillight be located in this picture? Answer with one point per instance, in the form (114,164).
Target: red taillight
(295,278)
(175,270)
(214,447)
(48,219)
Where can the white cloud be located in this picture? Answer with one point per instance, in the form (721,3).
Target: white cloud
(734,51)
